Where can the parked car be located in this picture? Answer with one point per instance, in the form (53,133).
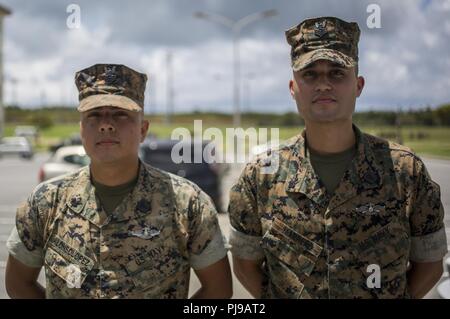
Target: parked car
(28,131)
(206,175)
(65,160)
(16,145)
(74,139)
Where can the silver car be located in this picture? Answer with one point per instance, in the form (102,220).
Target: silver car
(16,145)
(65,160)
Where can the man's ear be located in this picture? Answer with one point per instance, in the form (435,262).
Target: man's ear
(360,81)
(144,129)
(291,88)
(81,132)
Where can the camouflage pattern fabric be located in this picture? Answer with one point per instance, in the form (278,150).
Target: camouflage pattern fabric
(142,250)
(320,246)
(324,38)
(110,85)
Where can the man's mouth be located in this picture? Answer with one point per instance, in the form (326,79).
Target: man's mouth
(324,100)
(107,142)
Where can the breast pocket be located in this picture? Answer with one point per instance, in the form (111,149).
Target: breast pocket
(289,256)
(70,266)
(387,251)
(155,265)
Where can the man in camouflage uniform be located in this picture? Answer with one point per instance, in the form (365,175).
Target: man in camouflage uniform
(117,228)
(343,214)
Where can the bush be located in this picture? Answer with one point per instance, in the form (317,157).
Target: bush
(42,121)
(442,115)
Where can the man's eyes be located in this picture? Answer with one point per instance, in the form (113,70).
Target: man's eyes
(93,115)
(337,73)
(309,74)
(120,115)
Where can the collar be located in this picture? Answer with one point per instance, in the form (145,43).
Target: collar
(363,173)
(82,200)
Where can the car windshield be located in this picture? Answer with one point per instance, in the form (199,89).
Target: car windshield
(77,159)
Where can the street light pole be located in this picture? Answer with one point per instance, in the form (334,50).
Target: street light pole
(247,90)
(169,88)
(236,27)
(3,13)
(236,80)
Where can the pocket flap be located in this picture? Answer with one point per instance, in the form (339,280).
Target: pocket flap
(296,239)
(287,254)
(384,246)
(72,273)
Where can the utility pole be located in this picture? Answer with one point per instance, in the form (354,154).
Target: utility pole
(169,88)
(236,27)
(152,108)
(3,12)
(398,125)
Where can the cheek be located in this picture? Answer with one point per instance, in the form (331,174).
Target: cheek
(89,127)
(303,97)
(348,88)
(87,132)
(132,134)
(303,90)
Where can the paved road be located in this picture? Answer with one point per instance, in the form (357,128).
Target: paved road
(19,177)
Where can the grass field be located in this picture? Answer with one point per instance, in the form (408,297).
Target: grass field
(429,141)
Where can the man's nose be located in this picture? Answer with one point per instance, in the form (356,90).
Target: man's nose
(106,125)
(323,83)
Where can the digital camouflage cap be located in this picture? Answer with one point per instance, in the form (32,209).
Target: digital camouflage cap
(323,38)
(110,85)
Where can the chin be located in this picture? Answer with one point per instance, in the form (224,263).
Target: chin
(104,159)
(325,118)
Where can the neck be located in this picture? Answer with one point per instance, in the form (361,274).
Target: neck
(110,174)
(329,138)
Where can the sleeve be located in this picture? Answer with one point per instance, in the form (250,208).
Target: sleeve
(206,243)
(28,225)
(428,242)
(18,250)
(246,232)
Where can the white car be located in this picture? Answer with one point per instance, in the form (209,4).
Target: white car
(65,160)
(26,131)
(16,146)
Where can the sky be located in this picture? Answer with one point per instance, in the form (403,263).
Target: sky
(405,62)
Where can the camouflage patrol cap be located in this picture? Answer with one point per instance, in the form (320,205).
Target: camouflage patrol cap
(110,85)
(323,38)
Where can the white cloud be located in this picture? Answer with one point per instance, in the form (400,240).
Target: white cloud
(405,62)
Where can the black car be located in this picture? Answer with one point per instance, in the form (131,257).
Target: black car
(206,175)
(74,139)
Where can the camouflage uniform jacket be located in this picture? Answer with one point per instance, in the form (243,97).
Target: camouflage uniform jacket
(144,249)
(385,212)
